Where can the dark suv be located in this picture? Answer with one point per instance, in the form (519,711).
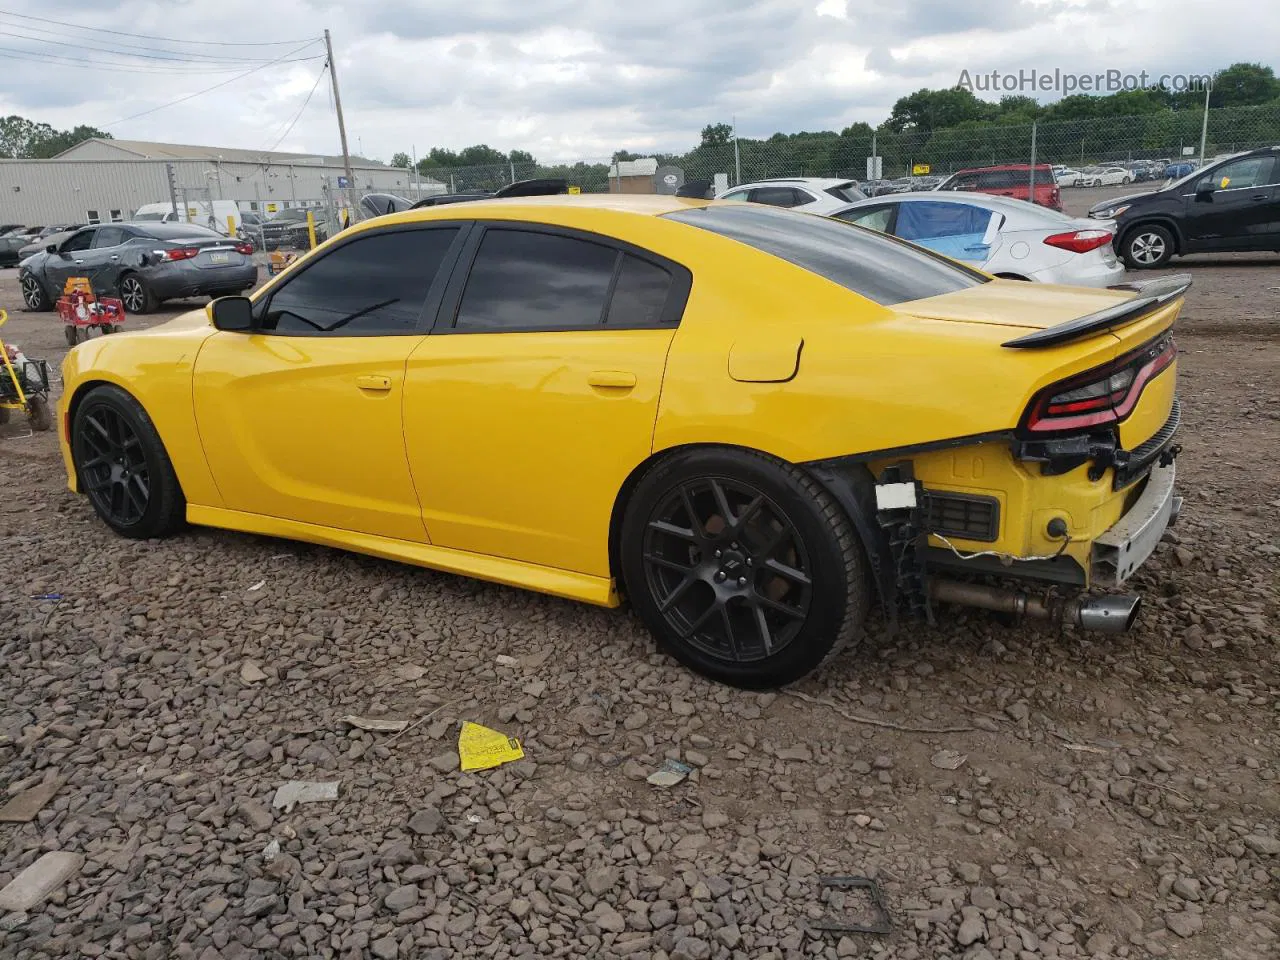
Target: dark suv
(1232,205)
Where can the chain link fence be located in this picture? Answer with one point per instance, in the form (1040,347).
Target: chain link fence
(1166,135)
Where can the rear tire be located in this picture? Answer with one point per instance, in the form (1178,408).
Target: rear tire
(742,566)
(39,416)
(123,467)
(1147,246)
(136,294)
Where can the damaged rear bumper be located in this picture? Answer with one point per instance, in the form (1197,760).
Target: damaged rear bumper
(1128,544)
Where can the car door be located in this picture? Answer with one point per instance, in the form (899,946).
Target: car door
(301,419)
(536,394)
(1235,206)
(68,262)
(961,231)
(103,257)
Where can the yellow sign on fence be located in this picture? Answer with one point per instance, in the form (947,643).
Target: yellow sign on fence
(920,169)
(575,190)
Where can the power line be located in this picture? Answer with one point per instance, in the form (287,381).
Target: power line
(35,56)
(192,96)
(152,54)
(144,36)
(289,129)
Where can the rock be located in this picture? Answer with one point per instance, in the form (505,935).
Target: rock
(1185,924)
(1183,556)
(1101,943)
(401,898)
(635,720)
(397,854)
(580,762)
(608,919)
(250,672)
(691,948)
(426,821)
(969,872)
(984,898)
(602,879)
(385,949)
(1017,711)
(714,819)
(800,752)
(972,927)
(257,749)
(257,817)
(1261,843)
(1187,888)
(444,762)
(30,887)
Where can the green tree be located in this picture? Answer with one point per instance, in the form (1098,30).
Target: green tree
(927,110)
(521,156)
(402,160)
(1014,105)
(1244,85)
(716,134)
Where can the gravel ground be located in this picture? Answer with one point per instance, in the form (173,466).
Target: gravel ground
(1118,797)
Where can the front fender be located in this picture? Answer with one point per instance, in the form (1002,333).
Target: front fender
(155,367)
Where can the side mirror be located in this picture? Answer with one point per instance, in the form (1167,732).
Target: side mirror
(51,248)
(233,314)
(1204,189)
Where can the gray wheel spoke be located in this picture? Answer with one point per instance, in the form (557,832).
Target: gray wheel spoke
(681,589)
(789,572)
(762,625)
(684,533)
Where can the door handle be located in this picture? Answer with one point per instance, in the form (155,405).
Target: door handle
(1258,196)
(377,384)
(612,378)
(78,262)
(114,257)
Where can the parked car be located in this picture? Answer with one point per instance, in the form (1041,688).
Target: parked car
(1107,177)
(632,414)
(8,228)
(1233,205)
(1174,171)
(1008,180)
(381,204)
(143,264)
(288,229)
(1008,238)
(10,249)
(1068,177)
(810,194)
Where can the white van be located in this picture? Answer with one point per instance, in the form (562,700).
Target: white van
(206,213)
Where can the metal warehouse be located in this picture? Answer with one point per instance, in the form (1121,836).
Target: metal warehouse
(101,180)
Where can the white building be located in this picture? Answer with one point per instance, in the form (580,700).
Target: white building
(101,180)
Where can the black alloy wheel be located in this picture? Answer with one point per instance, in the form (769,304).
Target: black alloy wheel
(742,566)
(33,295)
(728,569)
(122,466)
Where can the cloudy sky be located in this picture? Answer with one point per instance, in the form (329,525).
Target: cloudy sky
(565,79)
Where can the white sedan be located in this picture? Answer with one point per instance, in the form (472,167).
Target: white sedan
(999,235)
(1066,177)
(1106,177)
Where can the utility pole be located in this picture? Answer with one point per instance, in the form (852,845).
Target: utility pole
(173,186)
(1032,181)
(1204,125)
(337,105)
(737,160)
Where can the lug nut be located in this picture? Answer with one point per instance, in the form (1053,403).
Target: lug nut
(742,581)
(720,577)
(717,554)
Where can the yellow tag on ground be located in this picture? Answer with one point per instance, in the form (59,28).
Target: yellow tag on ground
(480,748)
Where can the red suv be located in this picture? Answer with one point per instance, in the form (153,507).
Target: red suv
(1008,180)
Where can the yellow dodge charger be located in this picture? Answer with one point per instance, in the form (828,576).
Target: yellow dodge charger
(753,424)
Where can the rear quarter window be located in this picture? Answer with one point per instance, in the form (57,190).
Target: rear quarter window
(880,268)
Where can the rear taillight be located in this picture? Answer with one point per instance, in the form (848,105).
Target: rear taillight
(1080,241)
(1104,395)
(177,253)
(245,247)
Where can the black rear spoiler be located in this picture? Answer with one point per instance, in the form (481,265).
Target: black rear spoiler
(698,189)
(1152,294)
(540,187)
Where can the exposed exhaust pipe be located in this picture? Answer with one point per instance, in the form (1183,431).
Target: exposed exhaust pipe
(1103,614)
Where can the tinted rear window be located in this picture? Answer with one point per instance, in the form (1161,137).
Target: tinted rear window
(872,265)
(177,231)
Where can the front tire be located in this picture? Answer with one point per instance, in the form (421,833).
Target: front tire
(742,566)
(136,294)
(33,294)
(1147,247)
(39,416)
(122,465)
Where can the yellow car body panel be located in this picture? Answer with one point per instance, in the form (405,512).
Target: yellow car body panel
(502,456)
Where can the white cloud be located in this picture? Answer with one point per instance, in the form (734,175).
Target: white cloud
(577,79)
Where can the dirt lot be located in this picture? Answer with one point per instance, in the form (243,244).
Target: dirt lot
(1119,796)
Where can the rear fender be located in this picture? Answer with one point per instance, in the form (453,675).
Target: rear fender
(853,488)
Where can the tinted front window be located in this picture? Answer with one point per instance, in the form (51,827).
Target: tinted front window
(373,286)
(80,241)
(1240,174)
(639,295)
(522,280)
(872,265)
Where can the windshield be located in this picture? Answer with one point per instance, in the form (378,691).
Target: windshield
(883,269)
(290,215)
